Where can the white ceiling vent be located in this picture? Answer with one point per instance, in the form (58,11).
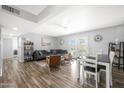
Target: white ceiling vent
(11,9)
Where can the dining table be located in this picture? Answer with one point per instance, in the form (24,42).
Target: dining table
(102,60)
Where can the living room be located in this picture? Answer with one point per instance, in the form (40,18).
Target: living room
(36,34)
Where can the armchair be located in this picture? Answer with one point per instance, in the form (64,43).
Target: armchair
(54,61)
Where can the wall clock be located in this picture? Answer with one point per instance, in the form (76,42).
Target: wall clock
(98,38)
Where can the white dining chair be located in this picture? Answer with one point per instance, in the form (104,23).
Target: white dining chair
(111,59)
(90,68)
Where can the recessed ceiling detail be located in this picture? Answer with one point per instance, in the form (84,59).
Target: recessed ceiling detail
(34,9)
(62,20)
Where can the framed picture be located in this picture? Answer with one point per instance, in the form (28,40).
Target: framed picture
(45,42)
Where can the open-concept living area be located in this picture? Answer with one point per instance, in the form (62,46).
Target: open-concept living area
(61,46)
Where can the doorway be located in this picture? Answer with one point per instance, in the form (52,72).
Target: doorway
(10,46)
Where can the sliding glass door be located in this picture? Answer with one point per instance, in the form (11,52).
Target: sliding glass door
(82,46)
(78,46)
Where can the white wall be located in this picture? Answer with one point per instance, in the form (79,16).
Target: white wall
(7,48)
(1,51)
(36,39)
(20,49)
(0,54)
(109,35)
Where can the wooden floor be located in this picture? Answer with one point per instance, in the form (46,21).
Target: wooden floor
(36,75)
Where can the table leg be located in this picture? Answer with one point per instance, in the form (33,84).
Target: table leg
(78,69)
(83,76)
(107,76)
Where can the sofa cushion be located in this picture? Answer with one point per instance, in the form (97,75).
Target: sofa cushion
(58,51)
(40,53)
(45,52)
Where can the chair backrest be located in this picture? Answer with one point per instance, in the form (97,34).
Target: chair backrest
(91,62)
(111,56)
(54,60)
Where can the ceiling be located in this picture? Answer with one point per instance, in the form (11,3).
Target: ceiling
(34,9)
(64,20)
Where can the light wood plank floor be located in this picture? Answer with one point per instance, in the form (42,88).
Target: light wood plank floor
(36,75)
